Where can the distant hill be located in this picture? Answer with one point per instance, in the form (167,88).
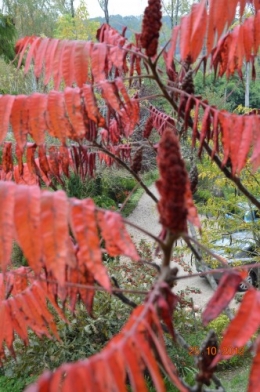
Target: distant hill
(133,23)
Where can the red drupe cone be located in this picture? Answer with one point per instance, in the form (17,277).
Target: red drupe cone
(172,184)
(151,27)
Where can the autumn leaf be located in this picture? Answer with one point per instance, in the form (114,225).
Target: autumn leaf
(226,290)
(85,229)
(236,335)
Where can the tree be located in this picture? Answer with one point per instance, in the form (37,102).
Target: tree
(33,17)
(60,237)
(77,26)
(8,36)
(104,6)
(175,9)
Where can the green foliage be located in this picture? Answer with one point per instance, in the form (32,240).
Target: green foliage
(148,178)
(8,35)
(109,188)
(77,27)
(227,94)
(132,202)
(83,336)
(236,379)
(14,82)
(219,324)
(183,359)
(8,384)
(82,188)
(145,250)
(104,201)
(33,17)
(17,256)
(116,186)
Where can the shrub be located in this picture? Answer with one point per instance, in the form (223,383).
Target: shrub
(63,238)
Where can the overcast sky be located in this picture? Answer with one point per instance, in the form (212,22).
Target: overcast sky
(121,7)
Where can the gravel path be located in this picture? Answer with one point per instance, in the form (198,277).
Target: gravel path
(146,216)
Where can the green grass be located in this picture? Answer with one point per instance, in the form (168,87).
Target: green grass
(148,178)
(236,379)
(13,384)
(233,380)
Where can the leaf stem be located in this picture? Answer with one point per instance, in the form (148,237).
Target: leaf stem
(85,286)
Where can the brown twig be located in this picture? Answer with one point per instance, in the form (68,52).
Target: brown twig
(128,197)
(154,265)
(149,97)
(122,163)
(144,231)
(84,286)
(121,296)
(213,271)
(207,250)
(161,52)
(214,157)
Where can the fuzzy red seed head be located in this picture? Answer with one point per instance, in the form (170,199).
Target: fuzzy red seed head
(172,184)
(151,27)
(148,127)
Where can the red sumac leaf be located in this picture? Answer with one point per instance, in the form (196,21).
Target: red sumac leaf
(43,161)
(31,53)
(84,225)
(236,334)
(7,158)
(64,159)
(19,322)
(6,222)
(134,367)
(195,123)
(21,46)
(30,151)
(254,377)
(39,56)
(118,241)
(91,105)
(74,111)
(98,60)
(226,123)
(56,118)
(27,224)
(171,52)
(226,290)
(205,128)
(82,62)
(185,34)
(68,68)
(111,95)
(198,28)
(57,63)
(54,232)
(53,161)
(19,157)
(19,119)
(49,59)
(6,328)
(250,124)
(37,104)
